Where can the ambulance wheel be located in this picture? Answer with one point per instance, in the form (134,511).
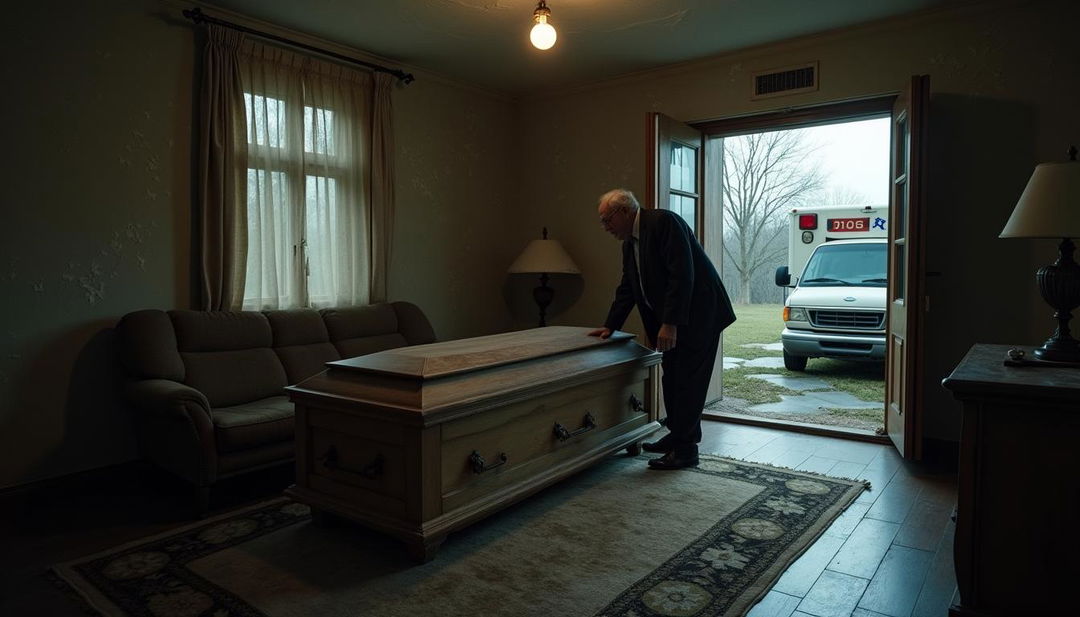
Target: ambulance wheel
(794,363)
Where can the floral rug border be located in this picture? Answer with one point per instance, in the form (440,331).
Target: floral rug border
(728,568)
(733,564)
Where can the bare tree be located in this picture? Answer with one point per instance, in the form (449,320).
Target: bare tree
(765,175)
(843,196)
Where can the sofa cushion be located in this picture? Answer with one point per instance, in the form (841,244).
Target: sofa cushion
(296,327)
(350,348)
(221,330)
(234,377)
(360,330)
(360,321)
(413,324)
(301,342)
(227,355)
(253,424)
(147,345)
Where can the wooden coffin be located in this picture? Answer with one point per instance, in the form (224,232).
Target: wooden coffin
(420,441)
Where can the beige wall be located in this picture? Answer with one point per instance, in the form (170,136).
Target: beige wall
(98,202)
(97,213)
(1003,97)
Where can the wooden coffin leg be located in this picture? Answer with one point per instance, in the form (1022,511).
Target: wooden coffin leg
(423,549)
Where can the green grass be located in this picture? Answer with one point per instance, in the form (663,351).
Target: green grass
(754,391)
(754,323)
(762,323)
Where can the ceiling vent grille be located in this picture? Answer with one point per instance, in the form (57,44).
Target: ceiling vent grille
(787,80)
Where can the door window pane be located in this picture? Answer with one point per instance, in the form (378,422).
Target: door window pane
(899,257)
(685,207)
(683,172)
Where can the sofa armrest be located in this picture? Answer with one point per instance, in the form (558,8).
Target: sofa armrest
(176,428)
(170,398)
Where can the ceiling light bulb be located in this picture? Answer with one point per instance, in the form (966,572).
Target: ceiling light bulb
(543,34)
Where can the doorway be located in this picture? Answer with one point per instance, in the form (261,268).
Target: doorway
(783,193)
(687,163)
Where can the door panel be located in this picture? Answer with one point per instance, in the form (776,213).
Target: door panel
(677,160)
(907,164)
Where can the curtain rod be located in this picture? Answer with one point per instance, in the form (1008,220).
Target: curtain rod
(196,15)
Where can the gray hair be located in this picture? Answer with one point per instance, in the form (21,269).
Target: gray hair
(621,199)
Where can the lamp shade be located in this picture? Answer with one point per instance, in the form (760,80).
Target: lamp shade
(1050,204)
(544,256)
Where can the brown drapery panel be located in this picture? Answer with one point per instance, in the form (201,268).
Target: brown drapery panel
(382,185)
(222,183)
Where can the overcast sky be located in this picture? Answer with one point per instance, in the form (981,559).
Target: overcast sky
(855,156)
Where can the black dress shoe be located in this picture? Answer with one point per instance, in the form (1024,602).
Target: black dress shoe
(660,446)
(674,460)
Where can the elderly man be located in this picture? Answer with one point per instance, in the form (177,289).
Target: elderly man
(683,306)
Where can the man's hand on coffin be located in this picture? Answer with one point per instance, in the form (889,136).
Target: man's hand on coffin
(601,332)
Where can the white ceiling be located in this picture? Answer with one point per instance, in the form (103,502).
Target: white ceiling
(486,42)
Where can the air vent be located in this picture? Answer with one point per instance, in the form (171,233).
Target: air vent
(787,80)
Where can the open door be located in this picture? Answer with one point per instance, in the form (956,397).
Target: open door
(677,160)
(906,269)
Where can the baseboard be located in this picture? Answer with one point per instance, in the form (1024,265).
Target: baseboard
(97,476)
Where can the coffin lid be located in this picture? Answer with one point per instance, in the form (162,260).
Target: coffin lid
(462,356)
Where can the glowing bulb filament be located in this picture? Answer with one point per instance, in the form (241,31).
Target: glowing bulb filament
(542,35)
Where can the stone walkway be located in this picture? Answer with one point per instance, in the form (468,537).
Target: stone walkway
(815,395)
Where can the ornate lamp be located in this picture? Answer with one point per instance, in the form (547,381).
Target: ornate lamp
(1050,208)
(543,257)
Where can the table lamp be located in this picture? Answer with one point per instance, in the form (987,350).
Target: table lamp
(543,257)
(1050,208)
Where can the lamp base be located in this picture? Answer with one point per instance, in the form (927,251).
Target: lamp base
(1059,284)
(543,296)
(1059,350)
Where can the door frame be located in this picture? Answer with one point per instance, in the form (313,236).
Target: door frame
(791,118)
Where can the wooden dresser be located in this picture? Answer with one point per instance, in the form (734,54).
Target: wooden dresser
(420,441)
(1017,549)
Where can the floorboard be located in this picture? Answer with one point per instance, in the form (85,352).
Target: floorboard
(852,569)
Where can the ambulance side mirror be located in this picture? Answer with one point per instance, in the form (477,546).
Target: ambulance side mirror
(783,278)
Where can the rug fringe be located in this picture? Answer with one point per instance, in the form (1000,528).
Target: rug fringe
(865,483)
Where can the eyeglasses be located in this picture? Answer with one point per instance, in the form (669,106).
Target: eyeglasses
(606,219)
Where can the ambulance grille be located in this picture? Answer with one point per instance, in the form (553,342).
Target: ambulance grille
(859,320)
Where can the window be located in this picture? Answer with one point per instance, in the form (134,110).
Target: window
(306,194)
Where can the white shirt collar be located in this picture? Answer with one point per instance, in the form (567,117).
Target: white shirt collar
(637,225)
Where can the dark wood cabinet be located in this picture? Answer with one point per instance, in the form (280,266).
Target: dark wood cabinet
(1017,548)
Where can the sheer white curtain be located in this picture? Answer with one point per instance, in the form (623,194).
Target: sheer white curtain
(308,166)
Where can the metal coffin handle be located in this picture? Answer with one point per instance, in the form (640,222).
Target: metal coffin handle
(479,465)
(636,404)
(588,423)
(370,471)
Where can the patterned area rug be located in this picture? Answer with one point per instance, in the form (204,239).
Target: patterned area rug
(617,539)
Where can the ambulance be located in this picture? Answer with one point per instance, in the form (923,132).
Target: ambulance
(838,271)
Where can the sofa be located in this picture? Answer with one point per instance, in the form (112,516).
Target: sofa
(207,388)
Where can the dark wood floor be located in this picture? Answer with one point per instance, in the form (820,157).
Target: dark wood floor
(888,554)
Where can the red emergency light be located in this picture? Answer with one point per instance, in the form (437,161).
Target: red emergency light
(808,221)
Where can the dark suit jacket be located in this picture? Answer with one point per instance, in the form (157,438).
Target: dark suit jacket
(682,287)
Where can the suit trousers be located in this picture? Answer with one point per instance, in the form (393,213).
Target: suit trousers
(687,371)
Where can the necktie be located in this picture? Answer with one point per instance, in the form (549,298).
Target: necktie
(637,261)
